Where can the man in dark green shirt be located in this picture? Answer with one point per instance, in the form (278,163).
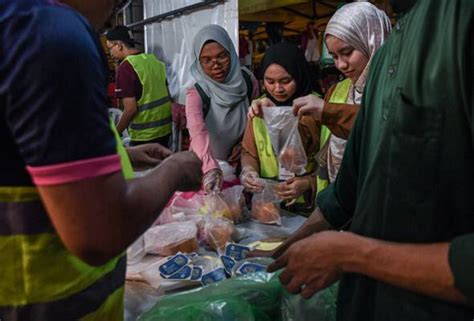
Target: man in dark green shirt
(404,190)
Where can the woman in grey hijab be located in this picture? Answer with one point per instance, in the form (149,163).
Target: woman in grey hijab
(216,106)
(352,36)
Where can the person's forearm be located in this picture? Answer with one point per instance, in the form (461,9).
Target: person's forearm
(339,118)
(98,228)
(129,111)
(419,268)
(144,199)
(315,223)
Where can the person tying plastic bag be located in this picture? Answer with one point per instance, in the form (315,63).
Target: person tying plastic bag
(216,106)
(286,76)
(352,36)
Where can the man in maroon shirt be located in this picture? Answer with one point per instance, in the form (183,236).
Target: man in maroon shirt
(128,87)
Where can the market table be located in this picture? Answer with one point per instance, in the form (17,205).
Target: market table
(140,296)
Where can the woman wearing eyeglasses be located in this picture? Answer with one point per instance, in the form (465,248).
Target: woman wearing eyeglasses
(216,106)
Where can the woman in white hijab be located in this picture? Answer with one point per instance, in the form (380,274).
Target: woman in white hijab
(216,126)
(352,36)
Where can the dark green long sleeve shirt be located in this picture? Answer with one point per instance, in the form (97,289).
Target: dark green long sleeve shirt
(408,170)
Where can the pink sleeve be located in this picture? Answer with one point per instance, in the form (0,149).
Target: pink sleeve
(74,171)
(198,131)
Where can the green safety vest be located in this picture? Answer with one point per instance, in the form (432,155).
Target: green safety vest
(339,96)
(41,279)
(153,118)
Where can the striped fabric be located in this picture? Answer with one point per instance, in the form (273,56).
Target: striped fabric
(41,279)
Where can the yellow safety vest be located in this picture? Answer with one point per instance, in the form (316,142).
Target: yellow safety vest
(153,118)
(339,96)
(41,279)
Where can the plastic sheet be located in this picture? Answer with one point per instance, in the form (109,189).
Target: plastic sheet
(171,40)
(136,251)
(250,297)
(320,307)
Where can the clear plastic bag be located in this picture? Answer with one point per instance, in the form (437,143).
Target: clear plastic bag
(215,206)
(292,156)
(235,200)
(265,205)
(282,127)
(279,121)
(188,206)
(168,239)
(217,232)
(320,307)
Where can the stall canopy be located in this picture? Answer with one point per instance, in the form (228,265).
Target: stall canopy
(293,14)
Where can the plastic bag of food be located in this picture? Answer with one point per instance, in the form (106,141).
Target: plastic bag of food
(215,206)
(292,156)
(235,201)
(265,205)
(188,206)
(168,239)
(252,297)
(217,232)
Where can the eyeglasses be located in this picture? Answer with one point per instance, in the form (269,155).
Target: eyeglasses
(222,59)
(112,45)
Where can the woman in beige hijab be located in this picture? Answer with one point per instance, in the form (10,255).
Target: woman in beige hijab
(352,36)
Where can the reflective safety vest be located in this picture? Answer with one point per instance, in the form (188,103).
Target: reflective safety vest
(153,117)
(338,96)
(40,279)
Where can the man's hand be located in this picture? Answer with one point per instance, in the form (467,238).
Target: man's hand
(292,188)
(130,108)
(313,263)
(255,109)
(309,104)
(147,155)
(212,181)
(188,166)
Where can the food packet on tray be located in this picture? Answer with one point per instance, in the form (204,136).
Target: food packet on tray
(168,239)
(265,205)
